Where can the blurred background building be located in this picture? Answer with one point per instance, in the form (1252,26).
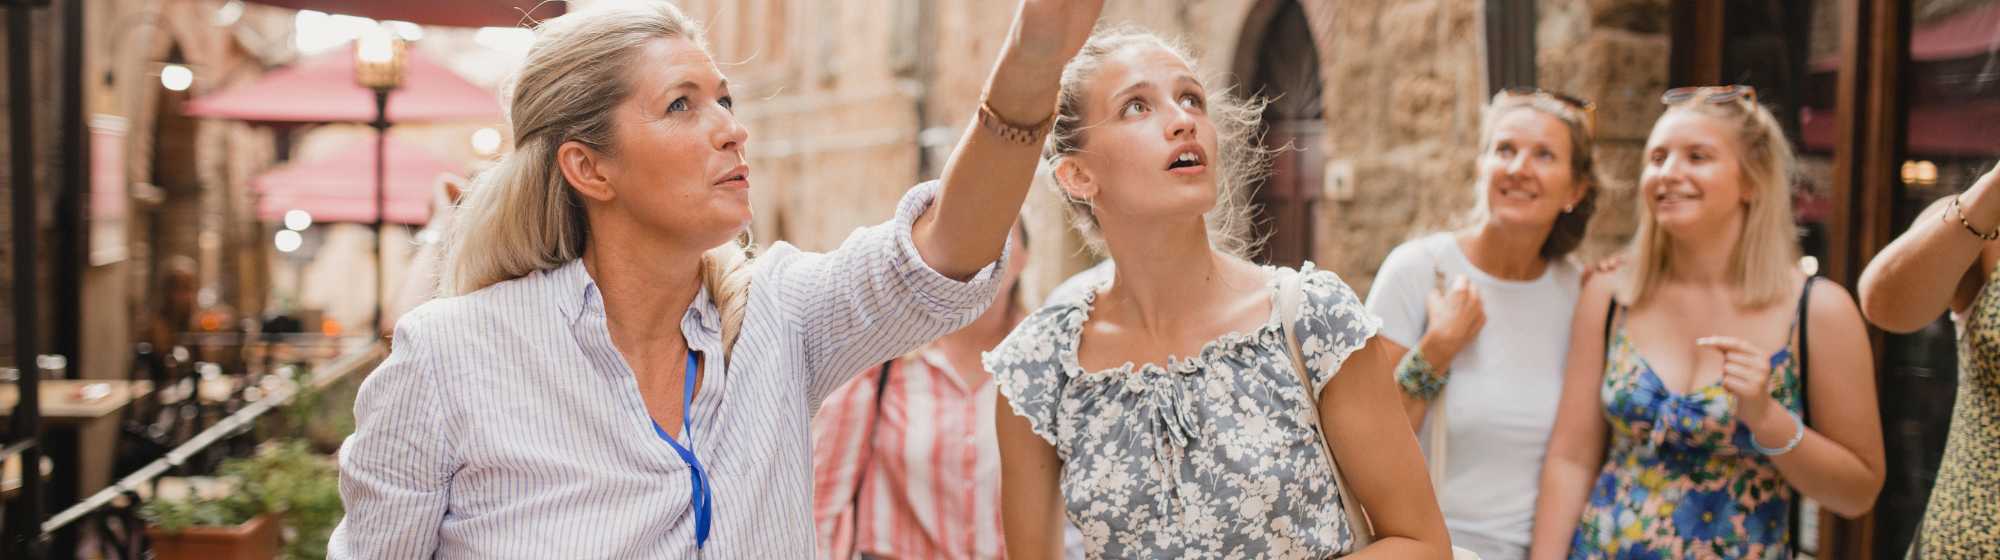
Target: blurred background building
(156,222)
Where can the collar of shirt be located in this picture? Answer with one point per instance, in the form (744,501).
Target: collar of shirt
(577,295)
(940,366)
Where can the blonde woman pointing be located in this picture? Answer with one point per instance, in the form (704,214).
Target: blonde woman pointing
(611,376)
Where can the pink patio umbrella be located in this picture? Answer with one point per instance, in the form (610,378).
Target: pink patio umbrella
(337,188)
(461,13)
(326,88)
(322,89)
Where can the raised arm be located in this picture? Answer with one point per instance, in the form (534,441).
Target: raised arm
(1934,264)
(1576,450)
(987,177)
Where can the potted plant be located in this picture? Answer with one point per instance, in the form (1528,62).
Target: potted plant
(283,494)
(234,526)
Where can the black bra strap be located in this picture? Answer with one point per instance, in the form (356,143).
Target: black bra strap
(1610,319)
(1805,299)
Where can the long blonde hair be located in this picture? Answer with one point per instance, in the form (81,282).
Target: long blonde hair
(522,216)
(1768,250)
(1242,162)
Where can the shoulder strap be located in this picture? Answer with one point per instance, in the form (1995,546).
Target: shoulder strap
(867,456)
(1290,294)
(1805,298)
(1610,318)
(1804,353)
(1288,310)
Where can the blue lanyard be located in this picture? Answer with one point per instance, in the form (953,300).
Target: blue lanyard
(698,475)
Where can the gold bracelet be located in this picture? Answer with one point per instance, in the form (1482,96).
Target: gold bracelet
(1954,207)
(1024,135)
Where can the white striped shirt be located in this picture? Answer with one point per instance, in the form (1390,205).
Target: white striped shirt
(505,424)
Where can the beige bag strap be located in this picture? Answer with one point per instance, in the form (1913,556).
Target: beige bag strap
(1434,439)
(1289,296)
(1434,429)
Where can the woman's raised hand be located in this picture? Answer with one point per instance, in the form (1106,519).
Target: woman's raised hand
(986,179)
(1047,33)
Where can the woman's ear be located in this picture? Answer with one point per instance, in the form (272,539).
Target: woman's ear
(584,166)
(1074,180)
(1585,186)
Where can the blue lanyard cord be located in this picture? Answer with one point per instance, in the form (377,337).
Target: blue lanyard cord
(699,476)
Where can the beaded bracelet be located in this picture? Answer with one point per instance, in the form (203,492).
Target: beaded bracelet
(1417,377)
(1797,436)
(1986,236)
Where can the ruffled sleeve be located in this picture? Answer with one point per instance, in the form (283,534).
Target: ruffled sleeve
(1332,324)
(1028,369)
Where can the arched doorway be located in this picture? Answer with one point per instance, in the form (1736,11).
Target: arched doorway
(1277,57)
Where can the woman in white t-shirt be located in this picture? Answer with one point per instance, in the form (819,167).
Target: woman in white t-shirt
(1495,390)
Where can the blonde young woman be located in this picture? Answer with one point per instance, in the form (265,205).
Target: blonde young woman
(1948,261)
(1161,411)
(1710,383)
(609,378)
(1436,294)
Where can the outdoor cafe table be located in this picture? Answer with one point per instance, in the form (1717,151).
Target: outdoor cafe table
(78,401)
(69,409)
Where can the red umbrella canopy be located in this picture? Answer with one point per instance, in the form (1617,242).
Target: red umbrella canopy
(461,13)
(322,89)
(341,187)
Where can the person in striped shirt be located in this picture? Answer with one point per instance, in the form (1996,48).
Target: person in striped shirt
(905,464)
(609,375)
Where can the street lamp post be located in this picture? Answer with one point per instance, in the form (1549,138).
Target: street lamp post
(378,66)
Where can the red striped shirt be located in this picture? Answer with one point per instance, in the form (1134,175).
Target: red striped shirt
(932,481)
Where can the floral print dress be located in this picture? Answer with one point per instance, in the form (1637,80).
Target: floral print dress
(1963,518)
(1681,479)
(1210,456)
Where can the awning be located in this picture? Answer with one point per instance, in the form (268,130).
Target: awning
(1973,32)
(341,187)
(1948,87)
(1962,130)
(461,13)
(322,89)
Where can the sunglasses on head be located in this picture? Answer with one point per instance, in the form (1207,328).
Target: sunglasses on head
(1586,109)
(1714,95)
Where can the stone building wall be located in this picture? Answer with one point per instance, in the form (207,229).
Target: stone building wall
(1613,52)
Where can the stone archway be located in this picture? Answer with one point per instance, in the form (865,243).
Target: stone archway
(1277,58)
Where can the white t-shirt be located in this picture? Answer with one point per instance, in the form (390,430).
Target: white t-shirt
(1500,397)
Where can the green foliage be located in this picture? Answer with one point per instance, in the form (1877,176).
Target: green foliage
(285,478)
(177,515)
